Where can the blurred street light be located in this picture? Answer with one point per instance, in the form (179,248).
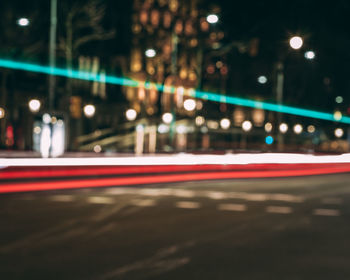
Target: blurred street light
(2,113)
(167,118)
(34,105)
(150,53)
(339,132)
(262,80)
(310,55)
(283,127)
(298,129)
(23,22)
(311,129)
(296,42)
(189,105)
(131,114)
(212,18)
(199,120)
(268,127)
(337,115)
(225,123)
(247,126)
(339,99)
(89,110)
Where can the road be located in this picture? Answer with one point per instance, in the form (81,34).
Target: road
(281,228)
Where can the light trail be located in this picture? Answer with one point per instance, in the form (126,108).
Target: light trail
(211,96)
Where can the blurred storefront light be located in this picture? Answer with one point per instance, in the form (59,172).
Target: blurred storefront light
(190,105)
(34,105)
(311,129)
(89,110)
(338,132)
(167,118)
(337,115)
(2,113)
(163,128)
(225,123)
(283,127)
(247,125)
(298,129)
(268,127)
(199,120)
(131,114)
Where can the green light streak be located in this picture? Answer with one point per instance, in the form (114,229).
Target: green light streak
(196,94)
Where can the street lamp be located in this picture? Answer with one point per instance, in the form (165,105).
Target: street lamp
(150,53)
(310,55)
(339,132)
(167,118)
(212,18)
(189,105)
(2,113)
(89,110)
(23,22)
(225,123)
(131,114)
(34,105)
(296,42)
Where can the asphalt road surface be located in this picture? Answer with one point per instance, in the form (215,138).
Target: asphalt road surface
(281,228)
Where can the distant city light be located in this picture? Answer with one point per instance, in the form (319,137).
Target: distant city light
(298,129)
(309,55)
(23,22)
(339,132)
(89,110)
(337,115)
(181,129)
(262,80)
(311,129)
(268,127)
(34,105)
(199,120)
(150,53)
(339,99)
(131,114)
(2,113)
(225,123)
(163,128)
(97,149)
(167,118)
(212,18)
(296,42)
(46,118)
(283,127)
(269,140)
(247,126)
(189,104)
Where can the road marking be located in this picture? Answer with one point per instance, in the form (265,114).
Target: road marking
(232,207)
(279,209)
(187,204)
(286,198)
(183,193)
(62,198)
(100,200)
(216,195)
(143,202)
(327,212)
(332,200)
(255,197)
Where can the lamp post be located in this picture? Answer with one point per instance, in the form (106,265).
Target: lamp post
(295,43)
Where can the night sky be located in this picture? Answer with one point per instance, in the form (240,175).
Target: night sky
(323,25)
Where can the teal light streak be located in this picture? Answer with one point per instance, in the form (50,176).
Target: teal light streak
(197,94)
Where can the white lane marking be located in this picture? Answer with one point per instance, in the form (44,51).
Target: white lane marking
(327,212)
(279,209)
(332,200)
(232,207)
(100,200)
(255,197)
(183,193)
(216,195)
(62,198)
(187,204)
(286,198)
(143,202)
